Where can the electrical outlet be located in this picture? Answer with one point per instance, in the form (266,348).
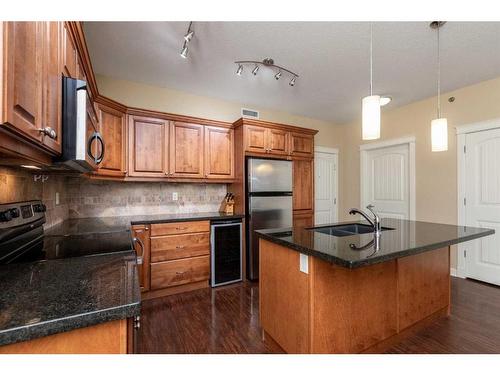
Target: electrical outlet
(175,196)
(57,198)
(304,263)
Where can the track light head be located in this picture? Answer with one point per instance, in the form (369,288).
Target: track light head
(240,70)
(255,70)
(292,81)
(184,51)
(189,36)
(278,75)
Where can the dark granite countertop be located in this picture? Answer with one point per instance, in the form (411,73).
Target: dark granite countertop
(122,223)
(407,238)
(42,298)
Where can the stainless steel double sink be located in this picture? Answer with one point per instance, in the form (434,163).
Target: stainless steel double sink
(343,230)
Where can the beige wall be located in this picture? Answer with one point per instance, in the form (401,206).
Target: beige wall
(173,101)
(436,172)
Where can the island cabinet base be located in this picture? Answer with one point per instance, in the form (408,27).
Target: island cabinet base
(332,309)
(112,337)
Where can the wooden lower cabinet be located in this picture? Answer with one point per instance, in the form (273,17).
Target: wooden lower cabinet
(179,272)
(179,257)
(105,338)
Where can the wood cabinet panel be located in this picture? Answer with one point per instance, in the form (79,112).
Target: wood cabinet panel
(179,246)
(284,297)
(181,227)
(105,338)
(255,139)
(219,152)
(69,53)
(142,233)
(52,85)
(301,144)
(148,147)
(179,272)
(186,150)
(277,142)
(23,55)
(303,219)
(303,184)
(112,125)
(424,285)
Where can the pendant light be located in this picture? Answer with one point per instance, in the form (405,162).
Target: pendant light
(439,126)
(371,104)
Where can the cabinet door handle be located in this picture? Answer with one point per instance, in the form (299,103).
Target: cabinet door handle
(180,273)
(141,244)
(49,132)
(181,228)
(180,247)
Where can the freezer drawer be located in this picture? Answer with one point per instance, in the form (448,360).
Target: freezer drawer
(269,175)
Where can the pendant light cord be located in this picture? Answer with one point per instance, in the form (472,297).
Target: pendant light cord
(371,58)
(439,77)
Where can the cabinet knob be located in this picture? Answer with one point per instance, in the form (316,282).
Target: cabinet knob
(49,132)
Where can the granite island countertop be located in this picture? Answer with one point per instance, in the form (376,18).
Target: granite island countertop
(42,298)
(406,238)
(122,223)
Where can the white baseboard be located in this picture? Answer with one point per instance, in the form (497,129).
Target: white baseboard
(454,272)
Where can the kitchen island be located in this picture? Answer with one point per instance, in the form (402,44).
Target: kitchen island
(328,291)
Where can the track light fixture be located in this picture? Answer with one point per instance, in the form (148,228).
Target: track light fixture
(187,38)
(184,51)
(268,63)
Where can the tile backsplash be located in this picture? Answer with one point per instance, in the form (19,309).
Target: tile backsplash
(18,185)
(83,197)
(92,198)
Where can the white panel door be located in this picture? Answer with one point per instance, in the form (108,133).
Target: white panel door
(482,209)
(386,181)
(325,188)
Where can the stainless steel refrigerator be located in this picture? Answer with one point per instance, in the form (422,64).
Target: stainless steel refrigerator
(269,203)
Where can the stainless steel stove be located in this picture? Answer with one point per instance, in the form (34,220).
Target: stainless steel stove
(22,237)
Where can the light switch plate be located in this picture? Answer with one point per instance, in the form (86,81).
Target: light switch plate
(57,199)
(304,263)
(175,196)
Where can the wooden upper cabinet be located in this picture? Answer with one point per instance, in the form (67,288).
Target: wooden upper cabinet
(186,150)
(219,152)
(112,125)
(259,139)
(68,53)
(301,144)
(52,85)
(303,184)
(148,146)
(277,141)
(23,55)
(255,139)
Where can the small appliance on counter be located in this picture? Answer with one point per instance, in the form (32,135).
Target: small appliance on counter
(226,256)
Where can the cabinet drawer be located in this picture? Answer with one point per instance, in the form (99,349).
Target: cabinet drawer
(180,228)
(179,272)
(179,246)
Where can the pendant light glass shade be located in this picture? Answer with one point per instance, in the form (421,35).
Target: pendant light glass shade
(439,134)
(371,117)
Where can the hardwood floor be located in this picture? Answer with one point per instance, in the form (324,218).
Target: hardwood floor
(226,320)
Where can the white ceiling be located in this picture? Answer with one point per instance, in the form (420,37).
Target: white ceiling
(332,59)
